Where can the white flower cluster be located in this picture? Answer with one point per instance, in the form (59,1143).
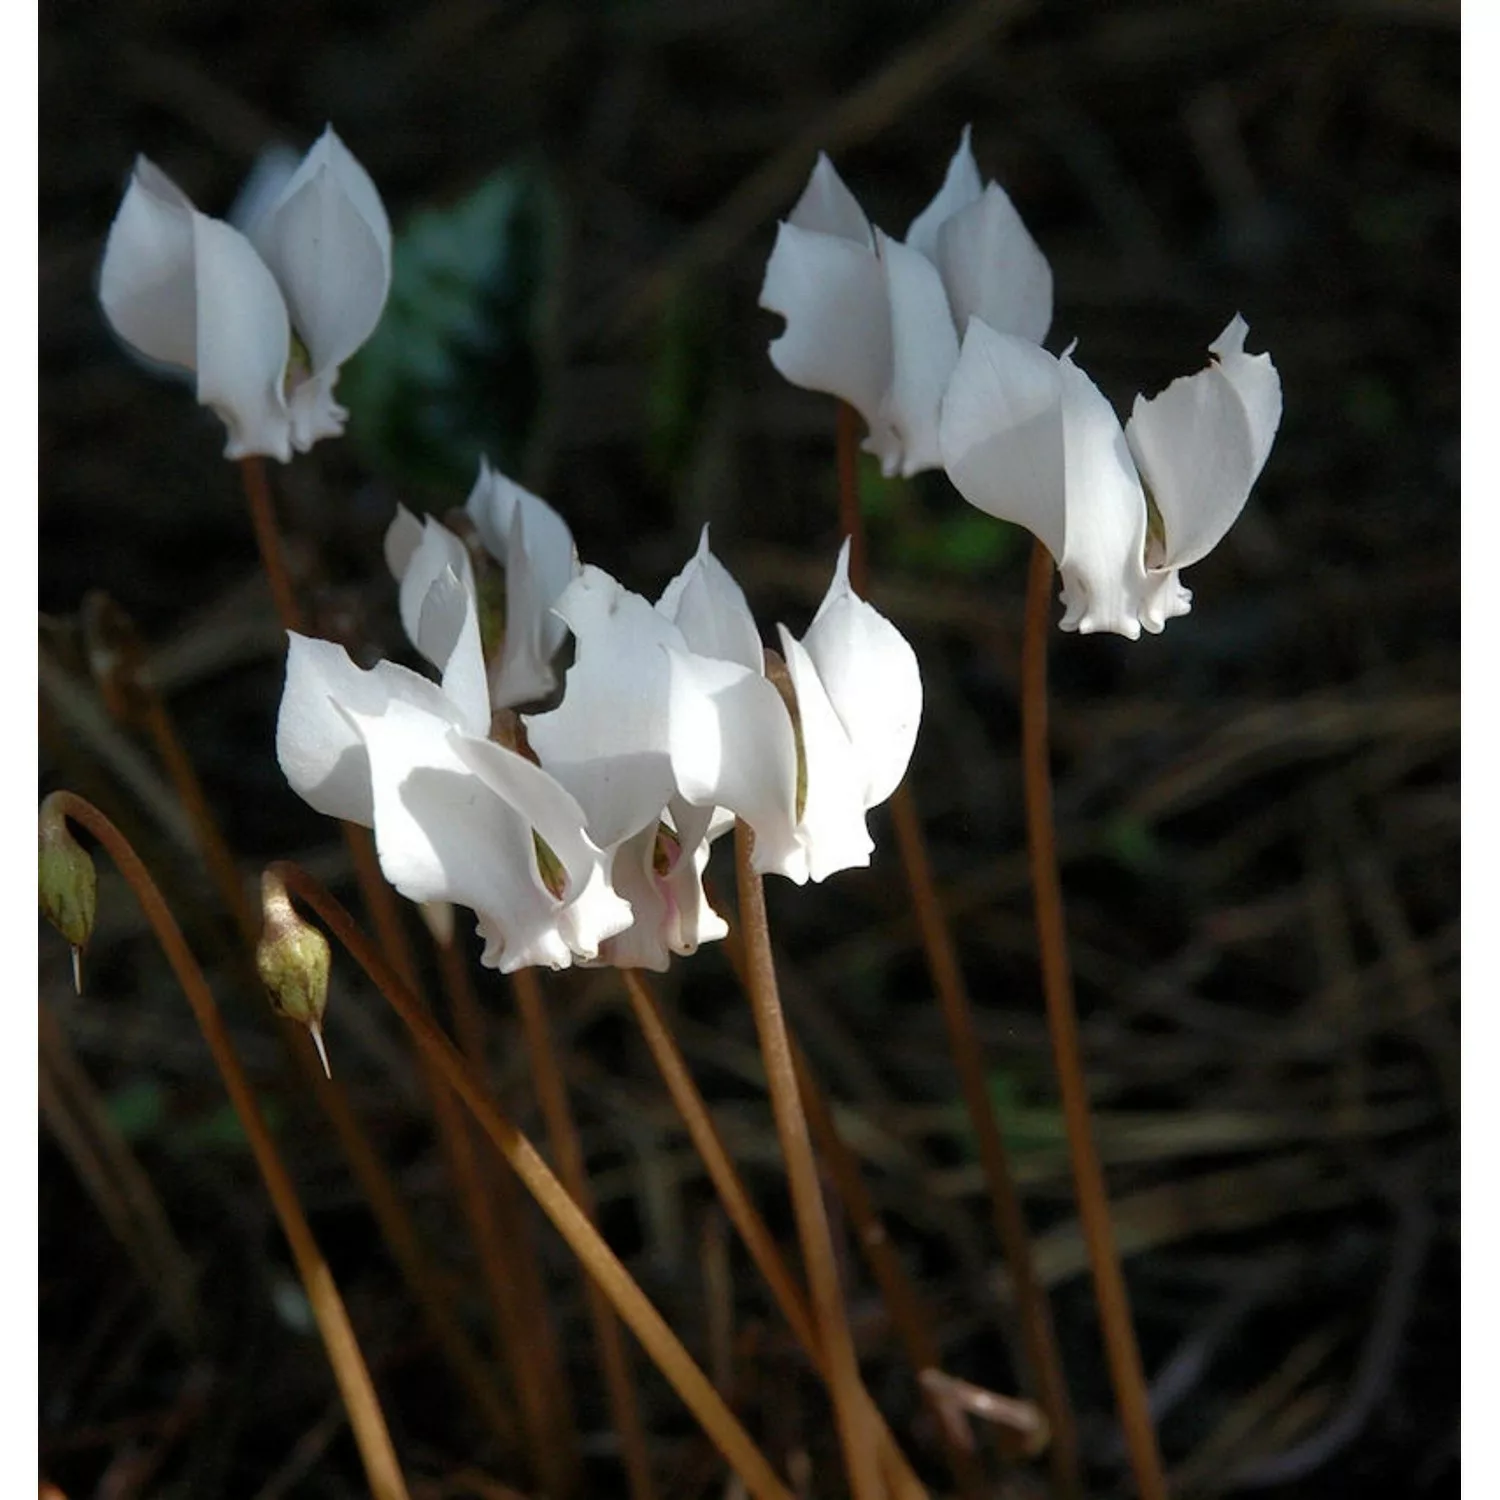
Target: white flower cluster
(581,834)
(262,315)
(936,341)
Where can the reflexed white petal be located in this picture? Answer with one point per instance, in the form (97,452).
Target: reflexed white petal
(1103,558)
(590,910)
(709,608)
(831,291)
(607,742)
(1257,381)
(440,612)
(870,674)
(1002,432)
(402,538)
(832,831)
(536,575)
(449,628)
(994,270)
(828,207)
(320,753)
(1200,445)
(924,351)
(961,187)
(243,341)
(437,549)
(443,834)
(328,240)
(733,747)
(146,283)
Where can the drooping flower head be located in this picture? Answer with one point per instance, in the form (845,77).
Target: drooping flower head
(264,317)
(1031,439)
(877,321)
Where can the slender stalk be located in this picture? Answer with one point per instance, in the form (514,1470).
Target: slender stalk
(802,1178)
(1124,1355)
(571,1222)
(567,1149)
(742,1213)
(518,1293)
(1038,1336)
(268,539)
(366,1419)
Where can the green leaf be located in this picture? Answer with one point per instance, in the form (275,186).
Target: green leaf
(455,368)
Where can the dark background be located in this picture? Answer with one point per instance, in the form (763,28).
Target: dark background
(1258,810)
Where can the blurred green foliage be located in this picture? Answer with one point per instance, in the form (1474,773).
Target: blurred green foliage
(456,368)
(921,526)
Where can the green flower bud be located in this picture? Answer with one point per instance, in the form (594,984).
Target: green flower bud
(294,961)
(66,883)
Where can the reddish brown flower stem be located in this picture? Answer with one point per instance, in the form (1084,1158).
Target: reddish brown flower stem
(855,1436)
(1038,1337)
(1123,1353)
(366,1420)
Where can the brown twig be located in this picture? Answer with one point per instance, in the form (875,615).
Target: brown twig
(567,1148)
(1124,1355)
(571,1222)
(1039,1338)
(802,1178)
(350,1371)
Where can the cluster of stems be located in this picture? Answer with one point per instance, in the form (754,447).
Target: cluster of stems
(535,1416)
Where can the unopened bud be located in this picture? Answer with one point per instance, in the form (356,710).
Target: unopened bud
(67,886)
(293,960)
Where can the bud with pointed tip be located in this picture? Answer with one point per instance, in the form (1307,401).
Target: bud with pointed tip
(293,960)
(67,885)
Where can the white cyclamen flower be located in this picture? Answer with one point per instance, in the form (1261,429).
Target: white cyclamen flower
(194,292)
(801,764)
(877,321)
(609,743)
(533,544)
(1031,439)
(533,549)
(457,817)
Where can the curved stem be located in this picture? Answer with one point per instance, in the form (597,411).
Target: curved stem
(1124,1355)
(567,1148)
(1038,1336)
(571,1222)
(349,1369)
(802,1177)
